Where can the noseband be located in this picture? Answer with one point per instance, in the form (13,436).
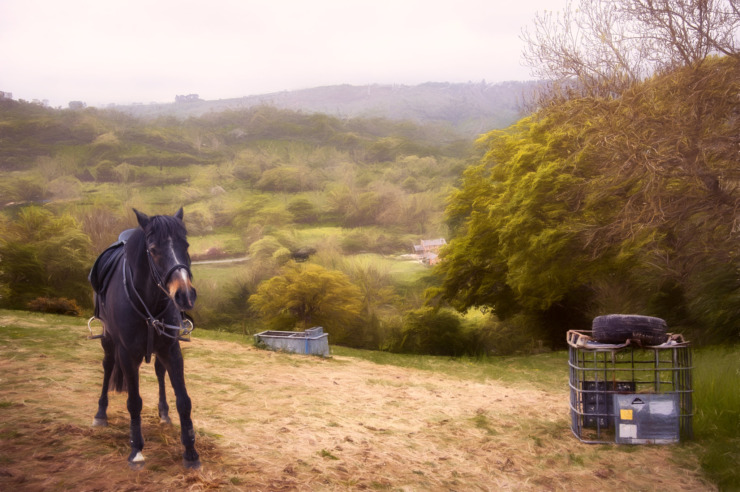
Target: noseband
(162,281)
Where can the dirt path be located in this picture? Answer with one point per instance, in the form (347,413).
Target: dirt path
(226,260)
(270,421)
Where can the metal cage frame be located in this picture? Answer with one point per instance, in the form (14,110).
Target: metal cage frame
(599,371)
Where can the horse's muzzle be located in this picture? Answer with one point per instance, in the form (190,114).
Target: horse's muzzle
(181,290)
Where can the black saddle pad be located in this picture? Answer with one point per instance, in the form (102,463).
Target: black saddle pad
(106,264)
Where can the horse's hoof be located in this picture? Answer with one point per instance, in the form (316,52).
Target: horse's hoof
(136,462)
(191,465)
(100,422)
(165,420)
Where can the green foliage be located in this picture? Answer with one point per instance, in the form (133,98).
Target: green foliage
(430,331)
(24,188)
(43,255)
(265,247)
(309,295)
(303,210)
(290,179)
(223,293)
(596,192)
(519,334)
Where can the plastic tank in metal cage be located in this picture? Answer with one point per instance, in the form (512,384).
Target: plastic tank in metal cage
(627,394)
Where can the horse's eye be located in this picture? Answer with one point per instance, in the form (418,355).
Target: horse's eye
(153,249)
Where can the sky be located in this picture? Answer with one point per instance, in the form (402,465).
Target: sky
(142,51)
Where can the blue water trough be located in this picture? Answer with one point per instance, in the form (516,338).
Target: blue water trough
(313,341)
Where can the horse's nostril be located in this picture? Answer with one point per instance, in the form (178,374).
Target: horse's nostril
(185,298)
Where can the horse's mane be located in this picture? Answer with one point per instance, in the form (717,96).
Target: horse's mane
(163,226)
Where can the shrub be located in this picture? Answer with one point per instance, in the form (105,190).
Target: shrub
(55,305)
(265,247)
(303,210)
(30,188)
(431,332)
(308,295)
(520,334)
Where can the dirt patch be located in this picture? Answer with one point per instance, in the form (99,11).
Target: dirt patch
(271,421)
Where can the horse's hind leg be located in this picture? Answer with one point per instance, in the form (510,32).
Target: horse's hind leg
(164,409)
(109,360)
(187,433)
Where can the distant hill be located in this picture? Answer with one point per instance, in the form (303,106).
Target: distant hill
(470,108)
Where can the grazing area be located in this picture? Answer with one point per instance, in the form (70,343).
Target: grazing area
(274,421)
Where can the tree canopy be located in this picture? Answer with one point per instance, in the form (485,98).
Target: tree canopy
(309,295)
(608,203)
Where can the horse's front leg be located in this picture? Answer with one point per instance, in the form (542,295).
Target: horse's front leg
(164,409)
(131,374)
(109,359)
(187,433)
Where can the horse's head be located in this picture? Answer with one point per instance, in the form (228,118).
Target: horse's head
(169,261)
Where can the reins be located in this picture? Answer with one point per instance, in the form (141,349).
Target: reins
(153,323)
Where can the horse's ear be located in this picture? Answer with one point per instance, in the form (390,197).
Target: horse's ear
(142,218)
(178,214)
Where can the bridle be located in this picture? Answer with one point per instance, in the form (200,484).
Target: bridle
(158,279)
(154,323)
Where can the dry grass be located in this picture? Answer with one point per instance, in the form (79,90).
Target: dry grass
(271,421)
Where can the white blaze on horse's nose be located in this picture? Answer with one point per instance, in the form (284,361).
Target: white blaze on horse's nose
(172,251)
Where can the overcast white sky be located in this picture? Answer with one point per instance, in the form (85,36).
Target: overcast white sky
(123,51)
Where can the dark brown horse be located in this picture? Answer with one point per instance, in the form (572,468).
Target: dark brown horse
(143,287)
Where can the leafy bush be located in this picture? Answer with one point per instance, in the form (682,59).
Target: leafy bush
(431,332)
(308,295)
(43,255)
(55,305)
(26,188)
(519,334)
(265,247)
(303,210)
(286,179)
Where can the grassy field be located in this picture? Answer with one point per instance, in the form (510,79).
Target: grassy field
(359,420)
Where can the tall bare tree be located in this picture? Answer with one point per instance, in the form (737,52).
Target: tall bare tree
(601,47)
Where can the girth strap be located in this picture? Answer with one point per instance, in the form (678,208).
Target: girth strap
(149,341)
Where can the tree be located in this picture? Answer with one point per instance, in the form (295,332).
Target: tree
(595,197)
(309,295)
(606,46)
(43,255)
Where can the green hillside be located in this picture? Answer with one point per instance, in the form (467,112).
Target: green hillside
(262,182)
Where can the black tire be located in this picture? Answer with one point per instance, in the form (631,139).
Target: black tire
(618,328)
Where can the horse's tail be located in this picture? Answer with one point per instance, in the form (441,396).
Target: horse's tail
(117,382)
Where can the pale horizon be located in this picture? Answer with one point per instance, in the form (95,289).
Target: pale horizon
(124,52)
